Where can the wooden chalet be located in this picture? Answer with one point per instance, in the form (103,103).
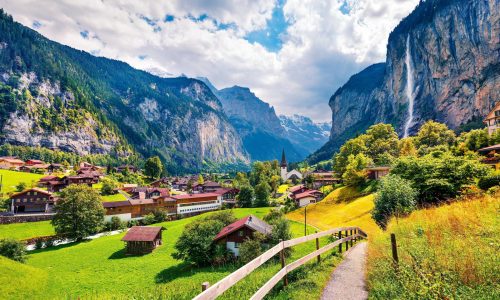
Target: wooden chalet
(307,197)
(129,168)
(34,168)
(294,190)
(55,168)
(142,239)
(377,172)
(227,195)
(236,233)
(9,162)
(492,120)
(32,201)
(492,156)
(32,162)
(322,178)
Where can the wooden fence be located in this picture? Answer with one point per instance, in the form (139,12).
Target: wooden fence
(350,234)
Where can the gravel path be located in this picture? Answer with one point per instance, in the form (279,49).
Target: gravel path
(348,279)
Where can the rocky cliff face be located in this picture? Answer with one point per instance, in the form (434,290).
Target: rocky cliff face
(454,55)
(55,96)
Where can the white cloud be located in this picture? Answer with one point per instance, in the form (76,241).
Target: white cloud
(322,46)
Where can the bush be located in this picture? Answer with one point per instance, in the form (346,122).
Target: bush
(160,215)
(395,197)
(281,232)
(355,174)
(115,224)
(245,196)
(39,244)
(108,187)
(251,248)
(488,182)
(148,219)
(273,216)
(13,249)
(226,217)
(21,186)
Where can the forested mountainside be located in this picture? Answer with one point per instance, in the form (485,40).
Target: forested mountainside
(59,97)
(444,56)
(262,133)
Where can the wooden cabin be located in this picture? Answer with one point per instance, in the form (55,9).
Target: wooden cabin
(142,239)
(377,172)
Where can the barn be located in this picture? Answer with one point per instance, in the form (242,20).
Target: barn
(142,239)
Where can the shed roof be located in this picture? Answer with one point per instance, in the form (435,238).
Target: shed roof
(490,148)
(194,196)
(142,234)
(293,189)
(250,221)
(308,193)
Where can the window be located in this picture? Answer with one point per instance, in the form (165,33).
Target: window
(236,245)
(34,193)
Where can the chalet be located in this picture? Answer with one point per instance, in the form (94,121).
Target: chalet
(34,168)
(129,187)
(139,207)
(142,239)
(236,233)
(206,187)
(492,120)
(60,183)
(95,174)
(129,168)
(162,182)
(150,192)
(10,163)
(227,195)
(492,156)
(55,168)
(322,178)
(294,190)
(32,162)
(377,172)
(307,197)
(191,204)
(32,201)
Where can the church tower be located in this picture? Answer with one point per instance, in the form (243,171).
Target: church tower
(284,166)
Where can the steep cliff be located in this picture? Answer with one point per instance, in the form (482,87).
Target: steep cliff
(56,96)
(445,57)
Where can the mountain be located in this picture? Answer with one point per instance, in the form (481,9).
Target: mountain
(305,134)
(59,97)
(263,136)
(443,63)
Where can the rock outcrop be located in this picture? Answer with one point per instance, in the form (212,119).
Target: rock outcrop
(454,51)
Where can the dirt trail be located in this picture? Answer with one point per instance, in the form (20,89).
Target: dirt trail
(348,279)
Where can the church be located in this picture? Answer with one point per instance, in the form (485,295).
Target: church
(293,175)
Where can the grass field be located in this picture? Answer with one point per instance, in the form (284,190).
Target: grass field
(335,211)
(99,269)
(22,231)
(113,198)
(447,252)
(13,178)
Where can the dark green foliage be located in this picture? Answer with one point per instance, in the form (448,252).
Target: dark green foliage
(108,187)
(13,249)
(21,186)
(251,248)
(153,167)
(273,216)
(245,196)
(159,215)
(226,217)
(262,195)
(438,177)
(79,212)
(115,224)
(148,219)
(489,181)
(281,232)
(395,197)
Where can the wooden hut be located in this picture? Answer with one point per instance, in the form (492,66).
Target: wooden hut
(142,239)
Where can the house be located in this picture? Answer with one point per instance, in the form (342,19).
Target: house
(492,156)
(32,201)
(162,182)
(34,168)
(209,186)
(55,168)
(58,184)
(294,190)
(142,203)
(228,195)
(191,204)
(492,120)
(9,162)
(292,175)
(236,233)
(322,178)
(150,192)
(307,197)
(377,172)
(129,168)
(32,162)
(142,239)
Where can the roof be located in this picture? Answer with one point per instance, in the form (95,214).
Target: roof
(490,148)
(12,160)
(130,185)
(211,183)
(115,204)
(33,190)
(141,201)
(48,178)
(36,161)
(308,193)
(296,188)
(222,191)
(250,221)
(381,168)
(142,234)
(491,114)
(194,196)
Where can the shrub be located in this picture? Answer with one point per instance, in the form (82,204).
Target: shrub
(245,196)
(226,217)
(262,194)
(108,187)
(281,232)
(13,249)
(355,173)
(39,244)
(489,181)
(251,248)
(21,186)
(395,197)
(273,215)
(160,215)
(115,224)
(148,219)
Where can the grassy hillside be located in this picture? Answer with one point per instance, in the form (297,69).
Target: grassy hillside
(13,178)
(22,231)
(28,280)
(100,269)
(343,206)
(447,252)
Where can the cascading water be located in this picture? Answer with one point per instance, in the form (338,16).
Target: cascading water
(409,87)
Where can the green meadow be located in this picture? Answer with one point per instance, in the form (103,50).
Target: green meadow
(23,231)
(12,178)
(100,269)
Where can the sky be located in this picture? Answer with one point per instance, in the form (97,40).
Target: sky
(292,54)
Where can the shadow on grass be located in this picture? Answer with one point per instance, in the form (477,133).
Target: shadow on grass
(186,270)
(123,254)
(58,247)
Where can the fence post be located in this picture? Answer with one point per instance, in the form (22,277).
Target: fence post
(317,248)
(340,244)
(352,231)
(282,258)
(394,249)
(204,286)
(346,242)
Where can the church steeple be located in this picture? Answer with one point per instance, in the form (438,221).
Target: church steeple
(283,159)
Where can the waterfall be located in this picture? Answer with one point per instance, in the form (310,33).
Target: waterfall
(409,87)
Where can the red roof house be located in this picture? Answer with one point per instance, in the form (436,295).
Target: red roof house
(142,239)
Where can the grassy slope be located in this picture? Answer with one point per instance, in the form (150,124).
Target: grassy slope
(445,252)
(114,198)
(13,178)
(28,279)
(99,268)
(334,211)
(21,231)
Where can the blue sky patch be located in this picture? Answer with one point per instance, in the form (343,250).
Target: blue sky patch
(271,36)
(37,24)
(169,18)
(85,34)
(142,57)
(345,8)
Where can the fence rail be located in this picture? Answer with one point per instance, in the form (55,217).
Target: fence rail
(351,234)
